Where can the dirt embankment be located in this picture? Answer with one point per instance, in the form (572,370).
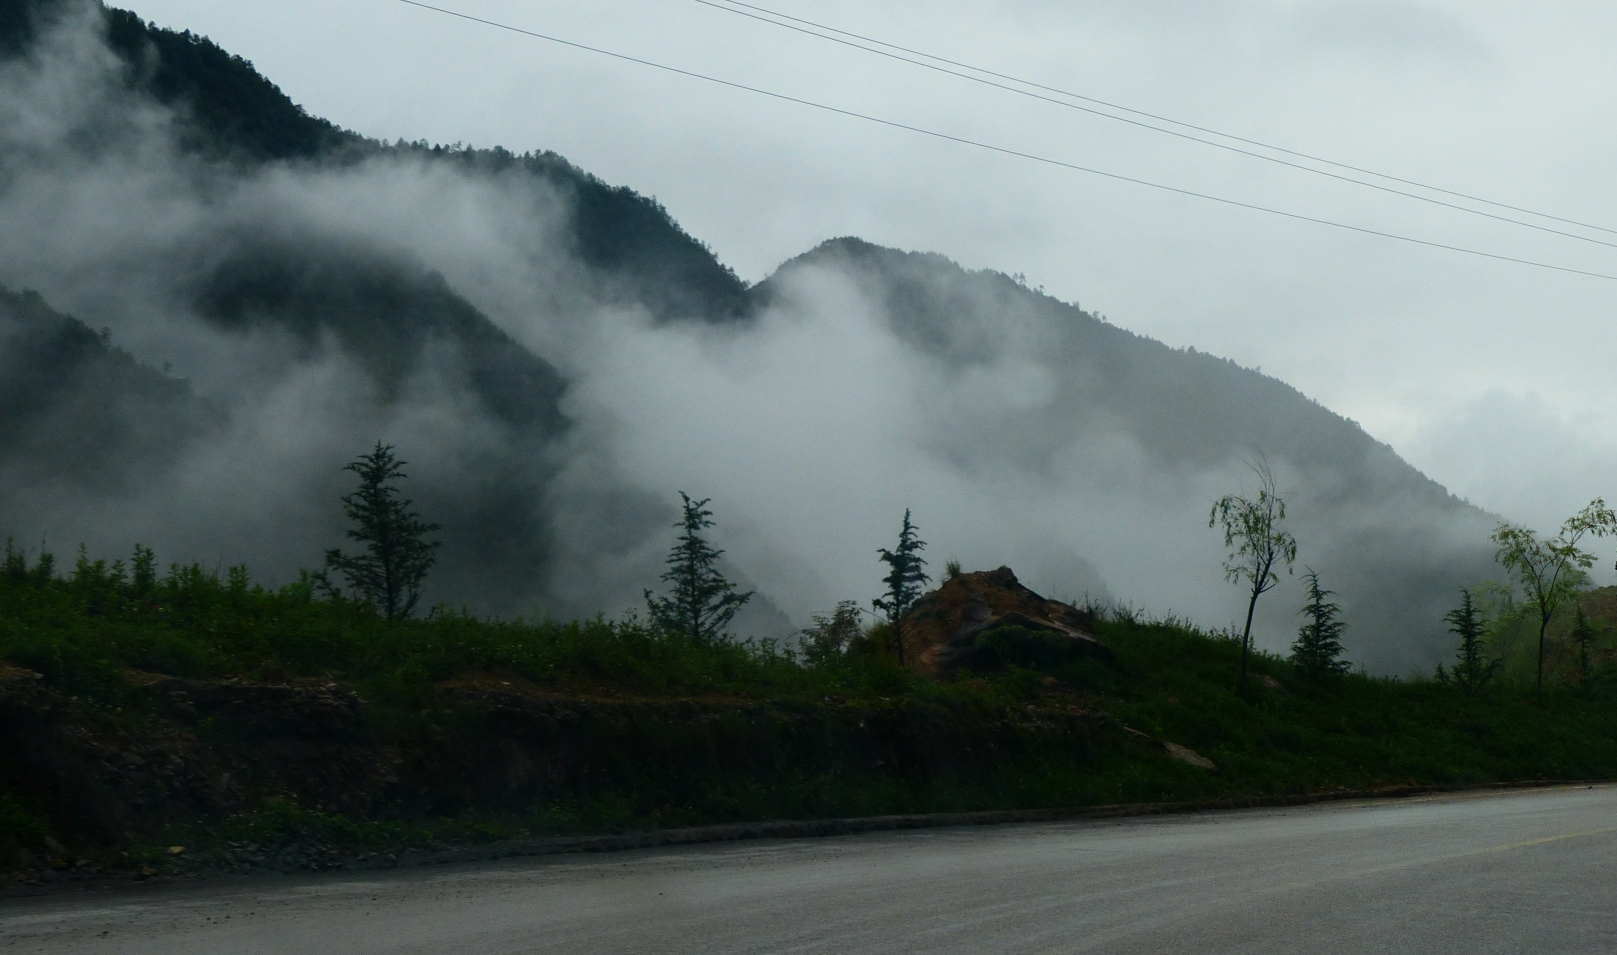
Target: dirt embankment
(181,753)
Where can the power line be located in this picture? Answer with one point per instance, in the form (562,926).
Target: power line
(1158,129)
(893,124)
(729,7)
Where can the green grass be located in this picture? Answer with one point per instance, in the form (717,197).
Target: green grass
(87,628)
(83,630)
(1179,684)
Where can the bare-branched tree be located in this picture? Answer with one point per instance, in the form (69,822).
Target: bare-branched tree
(1257,544)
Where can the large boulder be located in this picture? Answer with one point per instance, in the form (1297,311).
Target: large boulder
(988,620)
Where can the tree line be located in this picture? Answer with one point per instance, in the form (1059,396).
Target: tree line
(395,553)
(1549,574)
(700,602)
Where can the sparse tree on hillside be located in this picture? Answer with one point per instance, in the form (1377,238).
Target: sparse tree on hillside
(1257,545)
(144,570)
(1549,570)
(1472,670)
(397,554)
(1318,647)
(15,563)
(904,579)
(701,602)
(1582,637)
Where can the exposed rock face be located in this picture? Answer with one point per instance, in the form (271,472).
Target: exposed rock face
(986,619)
(300,709)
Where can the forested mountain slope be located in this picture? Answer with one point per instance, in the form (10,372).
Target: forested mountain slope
(1395,544)
(229,110)
(555,356)
(77,414)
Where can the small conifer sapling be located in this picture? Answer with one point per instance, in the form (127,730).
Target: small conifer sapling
(904,579)
(1582,637)
(397,555)
(700,602)
(1472,669)
(1318,649)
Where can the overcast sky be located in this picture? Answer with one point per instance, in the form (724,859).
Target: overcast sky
(1496,379)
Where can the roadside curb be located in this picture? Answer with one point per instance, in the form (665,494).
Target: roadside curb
(821,828)
(804,829)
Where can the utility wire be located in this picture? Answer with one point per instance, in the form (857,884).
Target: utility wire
(729,6)
(893,124)
(1159,129)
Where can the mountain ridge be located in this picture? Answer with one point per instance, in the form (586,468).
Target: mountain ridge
(1023,388)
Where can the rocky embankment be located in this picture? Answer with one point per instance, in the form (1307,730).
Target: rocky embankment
(115,784)
(988,619)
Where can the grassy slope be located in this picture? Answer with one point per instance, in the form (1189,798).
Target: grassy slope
(1361,731)
(88,629)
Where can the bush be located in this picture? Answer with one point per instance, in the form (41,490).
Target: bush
(830,638)
(19,828)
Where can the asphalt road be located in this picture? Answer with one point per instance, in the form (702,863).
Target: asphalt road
(1529,871)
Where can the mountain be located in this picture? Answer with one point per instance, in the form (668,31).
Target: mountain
(555,356)
(78,415)
(1395,544)
(229,110)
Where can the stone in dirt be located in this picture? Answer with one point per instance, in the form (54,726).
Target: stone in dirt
(1269,682)
(988,619)
(1187,755)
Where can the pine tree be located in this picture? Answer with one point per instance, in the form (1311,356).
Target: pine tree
(701,602)
(15,563)
(1472,670)
(1583,637)
(1319,640)
(397,555)
(903,580)
(144,567)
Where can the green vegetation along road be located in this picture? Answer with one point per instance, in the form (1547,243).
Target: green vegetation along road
(1523,871)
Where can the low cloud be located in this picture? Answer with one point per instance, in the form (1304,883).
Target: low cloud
(812,426)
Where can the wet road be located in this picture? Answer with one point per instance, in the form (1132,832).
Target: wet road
(1532,871)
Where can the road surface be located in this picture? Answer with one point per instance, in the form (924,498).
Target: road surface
(1527,871)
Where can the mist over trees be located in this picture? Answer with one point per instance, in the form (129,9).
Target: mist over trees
(1549,571)
(1258,546)
(1473,667)
(1317,650)
(905,580)
(701,601)
(389,572)
(277,291)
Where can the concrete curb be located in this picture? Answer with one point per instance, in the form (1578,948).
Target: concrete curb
(820,828)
